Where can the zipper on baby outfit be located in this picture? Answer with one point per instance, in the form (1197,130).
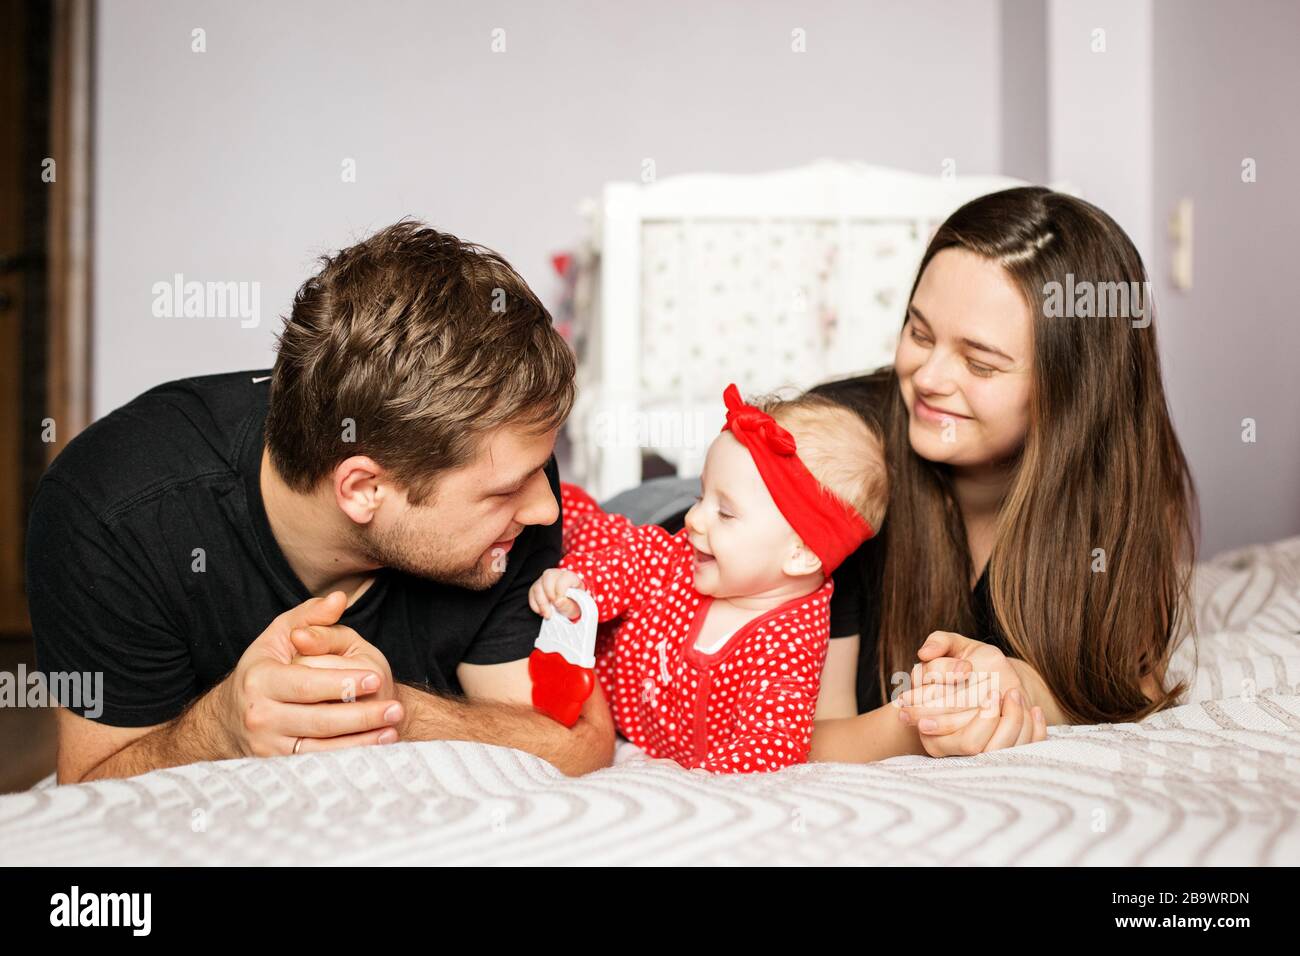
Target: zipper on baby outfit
(701,744)
(704,663)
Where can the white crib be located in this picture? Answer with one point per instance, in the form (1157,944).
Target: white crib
(772,280)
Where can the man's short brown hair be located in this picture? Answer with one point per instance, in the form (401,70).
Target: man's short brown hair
(425,344)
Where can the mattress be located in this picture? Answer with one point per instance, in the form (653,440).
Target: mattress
(1214,781)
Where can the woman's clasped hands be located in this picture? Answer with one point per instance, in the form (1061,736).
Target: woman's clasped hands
(967,697)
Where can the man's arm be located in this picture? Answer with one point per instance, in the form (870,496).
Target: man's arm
(261,709)
(93,751)
(498,691)
(497,709)
(95,611)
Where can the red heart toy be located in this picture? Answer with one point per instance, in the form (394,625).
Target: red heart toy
(562,665)
(559,688)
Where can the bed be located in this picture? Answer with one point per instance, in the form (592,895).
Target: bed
(1214,781)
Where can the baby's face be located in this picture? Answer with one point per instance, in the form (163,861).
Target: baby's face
(744,546)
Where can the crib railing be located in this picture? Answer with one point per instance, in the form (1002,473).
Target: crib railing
(775,280)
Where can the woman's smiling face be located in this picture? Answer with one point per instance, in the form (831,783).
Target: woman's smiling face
(965,362)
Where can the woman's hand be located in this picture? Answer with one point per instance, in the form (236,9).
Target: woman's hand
(1001,720)
(967,697)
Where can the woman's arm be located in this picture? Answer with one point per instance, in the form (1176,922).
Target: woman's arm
(838,696)
(875,735)
(840,733)
(967,697)
(987,661)
(880,733)
(1038,691)
(1041,695)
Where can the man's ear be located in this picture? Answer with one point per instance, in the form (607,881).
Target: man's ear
(360,487)
(801,561)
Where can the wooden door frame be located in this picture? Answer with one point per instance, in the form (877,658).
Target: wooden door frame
(68,375)
(53,337)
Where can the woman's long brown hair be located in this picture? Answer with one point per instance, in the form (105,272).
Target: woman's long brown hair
(1100,468)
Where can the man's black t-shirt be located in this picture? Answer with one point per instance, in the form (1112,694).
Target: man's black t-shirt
(150,559)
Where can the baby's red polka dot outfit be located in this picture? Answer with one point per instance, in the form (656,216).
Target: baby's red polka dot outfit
(745,708)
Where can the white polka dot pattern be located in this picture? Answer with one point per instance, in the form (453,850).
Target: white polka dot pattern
(746,708)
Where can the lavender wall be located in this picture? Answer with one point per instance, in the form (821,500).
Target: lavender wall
(225,165)
(1226,85)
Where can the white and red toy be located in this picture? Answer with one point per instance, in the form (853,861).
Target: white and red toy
(562,665)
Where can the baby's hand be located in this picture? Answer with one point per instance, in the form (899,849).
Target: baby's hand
(549,590)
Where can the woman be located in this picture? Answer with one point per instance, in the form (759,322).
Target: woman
(1039,541)
(1040,523)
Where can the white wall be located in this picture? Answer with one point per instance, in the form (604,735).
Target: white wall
(1185,90)
(1023,62)
(225,165)
(1100,107)
(1227,81)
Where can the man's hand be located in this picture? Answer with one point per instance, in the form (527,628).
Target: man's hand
(338,646)
(269,701)
(499,712)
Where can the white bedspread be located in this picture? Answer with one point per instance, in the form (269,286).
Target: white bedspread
(1215,781)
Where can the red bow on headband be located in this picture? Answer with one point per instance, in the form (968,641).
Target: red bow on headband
(830,528)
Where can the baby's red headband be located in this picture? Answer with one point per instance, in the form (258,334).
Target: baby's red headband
(830,528)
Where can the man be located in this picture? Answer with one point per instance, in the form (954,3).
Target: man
(335,552)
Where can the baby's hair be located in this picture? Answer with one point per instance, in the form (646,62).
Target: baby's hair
(844,451)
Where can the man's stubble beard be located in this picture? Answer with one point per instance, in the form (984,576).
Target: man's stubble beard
(426,558)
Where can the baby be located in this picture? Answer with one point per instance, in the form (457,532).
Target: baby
(713,639)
